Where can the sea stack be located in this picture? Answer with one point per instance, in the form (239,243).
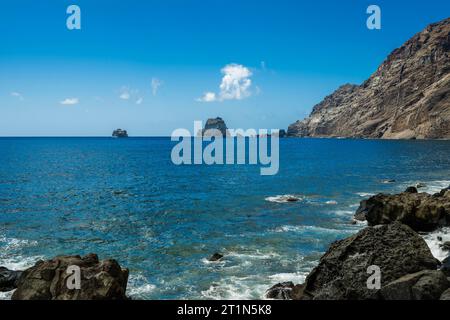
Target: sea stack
(119,133)
(215,124)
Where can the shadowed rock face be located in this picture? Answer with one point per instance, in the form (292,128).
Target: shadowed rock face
(408,96)
(423,285)
(8,279)
(47,280)
(342,272)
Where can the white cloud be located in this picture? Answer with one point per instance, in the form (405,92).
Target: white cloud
(17,95)
(235,84)
(208,97)
(156,83)
(69,101)
(125,93)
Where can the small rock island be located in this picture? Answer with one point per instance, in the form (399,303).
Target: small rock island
(119,133)
(215,124)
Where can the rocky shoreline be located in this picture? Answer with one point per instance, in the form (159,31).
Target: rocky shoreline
(390,244)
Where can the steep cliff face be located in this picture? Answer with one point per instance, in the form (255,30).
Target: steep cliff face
(407,97)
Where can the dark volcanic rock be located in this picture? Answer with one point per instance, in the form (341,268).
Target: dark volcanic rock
(8,279)
(423,285)
(446,246)
(411,190)
(408,96)
(285,291)
(342,272)
(445,295)
(47,280)
(420,211)
(216,257)
(445,266)
(214,126)
(119,133)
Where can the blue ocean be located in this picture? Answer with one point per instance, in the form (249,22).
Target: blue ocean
(125,199)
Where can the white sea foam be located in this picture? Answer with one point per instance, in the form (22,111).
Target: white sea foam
(365,194)
(6,295)
(301,229)
(296,277)
(333,202)
(432,186)
(344,213)
(285,198)
(435,245)
(237,288)
(138,286)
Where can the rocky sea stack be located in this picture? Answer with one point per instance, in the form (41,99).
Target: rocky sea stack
(408,97)
(213,126)
(119,133)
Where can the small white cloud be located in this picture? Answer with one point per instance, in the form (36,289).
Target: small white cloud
(125,93)
(235,84)
(69,101)
(139,100)
(208,97)
(156,83)
(17,95)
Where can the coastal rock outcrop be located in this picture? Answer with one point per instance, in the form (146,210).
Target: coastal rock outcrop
(8,279)
(47,280)
(408,97)
(423,285)
(215,124)
(420,211)
(342,271)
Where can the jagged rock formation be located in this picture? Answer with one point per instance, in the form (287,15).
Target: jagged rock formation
(215,124)
(119,133)
(408,97)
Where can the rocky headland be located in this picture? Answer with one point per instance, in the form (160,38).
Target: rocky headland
(391,242)
(408,97)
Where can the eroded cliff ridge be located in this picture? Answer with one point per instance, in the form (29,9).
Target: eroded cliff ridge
(407,97)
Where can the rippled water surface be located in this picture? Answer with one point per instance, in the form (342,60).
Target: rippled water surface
(123,198)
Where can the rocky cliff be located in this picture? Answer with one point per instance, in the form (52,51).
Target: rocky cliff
(407,97)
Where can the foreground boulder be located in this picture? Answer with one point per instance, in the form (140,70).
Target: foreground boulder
(47,280)
(342,272)
(420,211)
(8,279)
(423,285)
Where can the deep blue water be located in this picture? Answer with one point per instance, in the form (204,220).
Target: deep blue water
(123,198)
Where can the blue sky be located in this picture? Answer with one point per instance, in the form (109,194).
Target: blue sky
(285,56)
